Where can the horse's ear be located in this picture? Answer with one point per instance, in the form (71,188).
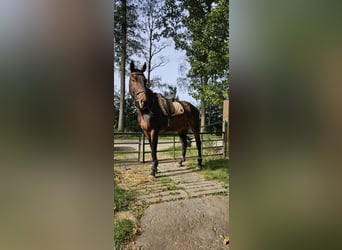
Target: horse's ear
(131,66)
(143,68)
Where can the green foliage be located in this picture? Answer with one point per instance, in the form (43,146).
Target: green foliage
(131,115)
(201,29)
(123,232)
(214,118)
(134,39)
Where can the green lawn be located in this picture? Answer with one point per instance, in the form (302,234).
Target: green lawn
(214,169)
(123,232)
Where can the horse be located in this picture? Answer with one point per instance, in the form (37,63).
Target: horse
(153,120)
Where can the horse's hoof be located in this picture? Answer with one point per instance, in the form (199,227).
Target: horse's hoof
(151,176)
(180,162)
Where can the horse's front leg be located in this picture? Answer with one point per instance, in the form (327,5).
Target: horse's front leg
(154,143)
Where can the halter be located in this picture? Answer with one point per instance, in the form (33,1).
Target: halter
(143,91)
(140,91)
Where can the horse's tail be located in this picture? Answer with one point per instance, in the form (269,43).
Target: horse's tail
(193,116)
(197,124)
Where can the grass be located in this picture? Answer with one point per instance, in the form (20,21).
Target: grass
(124,228)
(119,156)
(133,136)
(216,169)
(138,210)
(191,151)
(168,183)
(123,233)
(122,197)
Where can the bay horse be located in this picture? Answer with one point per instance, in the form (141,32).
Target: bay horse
(153,121)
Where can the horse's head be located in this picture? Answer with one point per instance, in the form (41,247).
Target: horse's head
(137,86)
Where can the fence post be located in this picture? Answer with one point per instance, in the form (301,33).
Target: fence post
(139,148)
(202,143)
(224,139)
(174,147)
(225,115)
(143,148)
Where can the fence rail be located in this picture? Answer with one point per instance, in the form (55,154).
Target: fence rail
(131,146)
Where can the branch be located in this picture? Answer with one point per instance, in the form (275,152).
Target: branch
(157,49)
(160,64)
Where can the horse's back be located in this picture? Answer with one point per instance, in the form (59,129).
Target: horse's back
(189,108)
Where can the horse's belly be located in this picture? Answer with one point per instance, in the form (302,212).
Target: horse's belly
(175,126)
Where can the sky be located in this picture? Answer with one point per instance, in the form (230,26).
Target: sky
(168,73)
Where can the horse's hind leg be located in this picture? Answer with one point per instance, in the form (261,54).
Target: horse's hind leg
(184,142)
(198,145)
(195,127)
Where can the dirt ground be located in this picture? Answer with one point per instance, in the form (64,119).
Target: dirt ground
(199,223)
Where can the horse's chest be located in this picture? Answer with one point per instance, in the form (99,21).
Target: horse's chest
(144,123)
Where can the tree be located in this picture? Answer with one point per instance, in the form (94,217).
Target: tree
(127,41)
(130,118)
(167,90)
(200,27)
(153,12)
(214,118)
(116,108)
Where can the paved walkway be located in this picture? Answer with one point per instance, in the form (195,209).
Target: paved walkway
(199,223)
(172,183)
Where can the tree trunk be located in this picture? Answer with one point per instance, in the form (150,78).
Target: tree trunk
(149,60)
(123,69)
(209,115)
(203,104)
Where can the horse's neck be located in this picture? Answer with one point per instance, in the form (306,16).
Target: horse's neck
(151,98)
(150,92)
